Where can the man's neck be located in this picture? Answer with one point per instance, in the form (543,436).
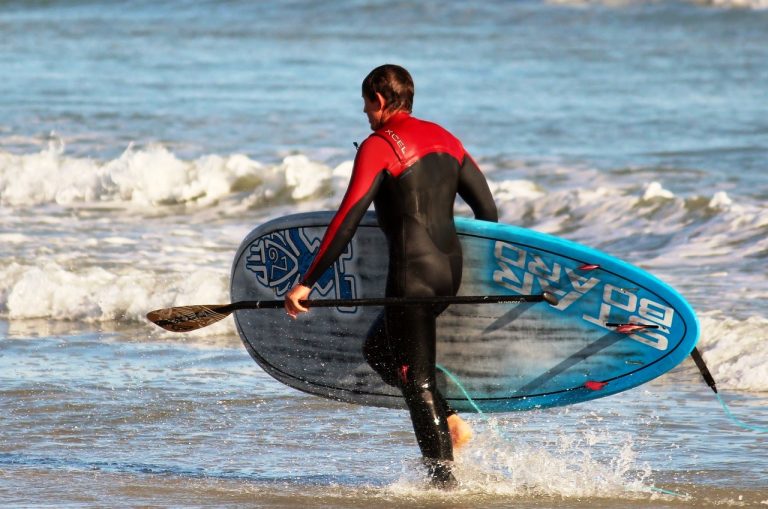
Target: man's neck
(391,116)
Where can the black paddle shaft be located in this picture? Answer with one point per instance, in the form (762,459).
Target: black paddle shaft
(394,301)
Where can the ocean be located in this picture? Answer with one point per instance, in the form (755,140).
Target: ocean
(141,141)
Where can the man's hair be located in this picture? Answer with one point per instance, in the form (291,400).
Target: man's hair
(394,83)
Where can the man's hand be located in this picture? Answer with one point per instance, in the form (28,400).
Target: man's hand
(292,298)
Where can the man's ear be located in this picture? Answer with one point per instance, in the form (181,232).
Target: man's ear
(381,102)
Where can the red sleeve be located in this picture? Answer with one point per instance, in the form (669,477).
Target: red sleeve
(374,157)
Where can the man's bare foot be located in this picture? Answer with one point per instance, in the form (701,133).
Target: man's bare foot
(440,475)
(461,432)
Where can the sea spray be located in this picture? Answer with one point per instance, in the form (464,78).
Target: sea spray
(504,459)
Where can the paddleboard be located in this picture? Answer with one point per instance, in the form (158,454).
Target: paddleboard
(615,326)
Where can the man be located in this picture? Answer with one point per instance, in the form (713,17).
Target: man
(412,171)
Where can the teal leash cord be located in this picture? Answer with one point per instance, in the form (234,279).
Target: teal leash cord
(461,388)
(741,424)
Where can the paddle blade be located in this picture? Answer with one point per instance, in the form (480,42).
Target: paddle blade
(188,318)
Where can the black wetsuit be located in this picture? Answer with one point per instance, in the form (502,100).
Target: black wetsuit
(412,171)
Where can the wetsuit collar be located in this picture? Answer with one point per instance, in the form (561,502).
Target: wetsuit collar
(396,118)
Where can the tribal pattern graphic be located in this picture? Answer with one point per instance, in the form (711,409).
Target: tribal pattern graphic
(278,259)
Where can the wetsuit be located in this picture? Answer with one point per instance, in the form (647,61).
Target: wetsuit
(411,170)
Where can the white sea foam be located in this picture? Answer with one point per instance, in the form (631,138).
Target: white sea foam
(725,232)
(152,177)
(98,295)
(736,351)
(735,4)
(655,190)
(711,227)
(13,238)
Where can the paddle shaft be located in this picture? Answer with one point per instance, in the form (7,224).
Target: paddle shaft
(391,301)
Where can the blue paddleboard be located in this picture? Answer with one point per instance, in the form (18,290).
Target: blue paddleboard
(615,326)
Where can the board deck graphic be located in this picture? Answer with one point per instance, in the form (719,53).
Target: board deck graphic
(615,326)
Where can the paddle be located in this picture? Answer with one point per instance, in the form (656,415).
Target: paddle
(189,318)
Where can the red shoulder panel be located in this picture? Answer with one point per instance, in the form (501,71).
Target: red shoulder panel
(411,139)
